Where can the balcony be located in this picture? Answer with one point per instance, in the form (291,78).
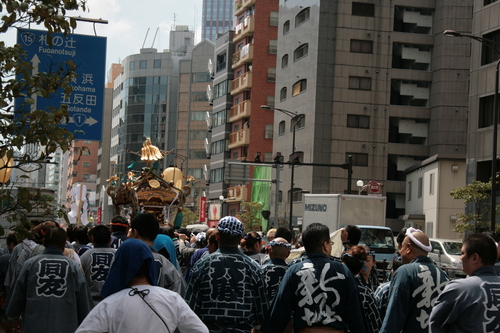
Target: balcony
(240,138)
(237,193)
(244,82)
(242,110)
(243,56)
(241,5)
(244,29)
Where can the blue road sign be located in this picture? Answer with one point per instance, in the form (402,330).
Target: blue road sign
(88,53)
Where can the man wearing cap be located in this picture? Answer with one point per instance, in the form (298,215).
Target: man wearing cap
(414,288)
(275,269)
(471,304)
(226,289)
(119,228)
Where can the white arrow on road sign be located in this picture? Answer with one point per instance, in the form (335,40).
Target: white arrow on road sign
(88,121)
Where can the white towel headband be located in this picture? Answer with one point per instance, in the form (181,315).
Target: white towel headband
(427,248)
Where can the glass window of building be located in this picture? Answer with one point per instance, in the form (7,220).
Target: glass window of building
(286,27)
(363,9)
(298,87)
(358,121)
(300,52)
(361,46)
(302,16)
(358,159)
(273,46)
(131,65)
(283,94)
(360,83)
(271,74)
(143,64)
(284,61)
(273,19)
(269,131)
(157,63)
(281,127)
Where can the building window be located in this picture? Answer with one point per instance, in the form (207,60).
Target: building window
(273,46)
(271,74)
(485,111)
(487,2)
(86,152)
(431,184)
(363,9)
(296,195)
(301,123)
(491,51)
(199,96)
(86,176)
(157,63)
(202,77)
(300,52)
(131,65)
(358,159)
(198,115)
(220,89)
(360,83)
(217,175)
(220,118)
(196,173)
(281,127)
(143,64)
(219,146)
(280,196)
(302,16)
(286,27)
(269,131)
(419,188)
(358,121)
(270,101)
(299,87)
(284,61)
(86,164)
(409,191)
(283,94)
(273,19)
(197,154)
(221,62)
(197,134)
(361,46)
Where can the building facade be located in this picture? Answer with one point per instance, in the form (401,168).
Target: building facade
(373,82)
(193,139)
(217,17)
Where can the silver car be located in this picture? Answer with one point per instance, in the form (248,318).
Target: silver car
(446,254)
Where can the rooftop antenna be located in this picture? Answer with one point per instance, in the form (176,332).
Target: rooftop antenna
(147,32)
(175,16)
(156,33)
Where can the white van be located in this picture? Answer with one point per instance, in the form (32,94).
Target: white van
(446,254)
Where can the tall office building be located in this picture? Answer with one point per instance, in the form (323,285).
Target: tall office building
(482,83)
(192,133)
(376,81)
(145,102)
(217,17)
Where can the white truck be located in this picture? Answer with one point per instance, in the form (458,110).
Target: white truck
(367,212)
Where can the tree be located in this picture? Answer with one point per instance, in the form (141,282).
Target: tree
(248,216)
(34,127)
(476,197)
(188,217)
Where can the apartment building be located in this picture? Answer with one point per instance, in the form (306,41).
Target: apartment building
(376,81)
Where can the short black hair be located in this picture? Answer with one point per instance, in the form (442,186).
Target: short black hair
(483,245)
(101,235)
(353,234)
(54,237)
(315,235)
(81,235)
(285,233)
(147,226)
(401,236)
(119,223)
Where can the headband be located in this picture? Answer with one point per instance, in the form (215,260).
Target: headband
(409,231)
(120,224)
(273,243)
(249,236)
(360,260)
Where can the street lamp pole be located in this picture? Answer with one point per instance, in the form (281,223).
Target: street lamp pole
(296,118)
(488,43)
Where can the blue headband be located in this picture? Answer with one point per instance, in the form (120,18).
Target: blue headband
(360,260)
(273,243)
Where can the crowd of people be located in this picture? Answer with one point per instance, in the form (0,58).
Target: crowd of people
(138,276)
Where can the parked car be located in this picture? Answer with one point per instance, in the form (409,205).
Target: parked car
(446,254)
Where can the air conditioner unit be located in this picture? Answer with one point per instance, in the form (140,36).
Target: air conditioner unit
(211,68)
(207,147)
(206,174)
(208,119)
(210,95)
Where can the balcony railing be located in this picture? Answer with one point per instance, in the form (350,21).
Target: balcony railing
(244,82)
(240,138)
(242,110)
(243,56)
(241,5)
(244,29)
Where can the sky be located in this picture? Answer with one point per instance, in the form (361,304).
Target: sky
(128,23)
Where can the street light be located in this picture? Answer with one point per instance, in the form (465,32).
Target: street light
(490,44)
(296,118)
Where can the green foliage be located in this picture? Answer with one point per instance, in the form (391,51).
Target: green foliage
(34,126)
(476,195)
(189,217)
(248,216)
